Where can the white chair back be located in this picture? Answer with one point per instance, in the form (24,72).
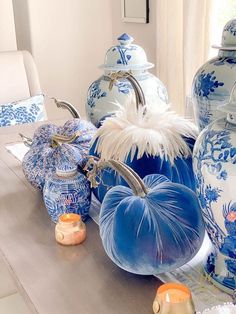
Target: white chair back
(18,76)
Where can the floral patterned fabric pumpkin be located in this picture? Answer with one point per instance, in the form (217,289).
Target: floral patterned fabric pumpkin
(50,142)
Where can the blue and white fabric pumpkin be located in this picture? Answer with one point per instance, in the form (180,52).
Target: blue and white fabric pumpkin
(50,143)
(149,141)
(150,227)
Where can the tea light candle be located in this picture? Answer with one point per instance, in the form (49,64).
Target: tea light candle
(173,298)
(70,229)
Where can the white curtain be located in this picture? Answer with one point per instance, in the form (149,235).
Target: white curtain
(182,45)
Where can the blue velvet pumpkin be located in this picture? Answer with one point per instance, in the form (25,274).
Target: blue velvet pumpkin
(180,171)
(50,143)
(153,227)
(146,138)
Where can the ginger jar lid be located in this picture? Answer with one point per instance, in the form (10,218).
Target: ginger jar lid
(228,40)
(66,170)
(126,56)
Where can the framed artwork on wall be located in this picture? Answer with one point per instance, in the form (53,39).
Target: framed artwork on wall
(135,11)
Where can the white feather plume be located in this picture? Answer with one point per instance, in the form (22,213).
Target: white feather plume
(146,130)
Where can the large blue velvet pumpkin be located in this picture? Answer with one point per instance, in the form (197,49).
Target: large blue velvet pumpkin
(179,171)
(153,227)
(146,138)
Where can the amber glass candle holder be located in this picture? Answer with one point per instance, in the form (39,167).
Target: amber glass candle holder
(70,229)
(173,298)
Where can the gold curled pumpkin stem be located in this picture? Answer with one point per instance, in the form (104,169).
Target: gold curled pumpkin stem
(58,139)
(93,167)
(139,95)
(26,140)
(65,105)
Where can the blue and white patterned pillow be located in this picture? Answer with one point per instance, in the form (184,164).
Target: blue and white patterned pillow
(23,111)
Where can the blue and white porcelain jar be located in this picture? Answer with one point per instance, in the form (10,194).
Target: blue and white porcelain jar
(214,163)
(214,80)
(67,191)
(125,57)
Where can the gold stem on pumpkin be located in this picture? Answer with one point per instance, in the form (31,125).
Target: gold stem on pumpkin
(26,140)
(139,95)
(65,105)
(58,139)
(93,167)
(136,176)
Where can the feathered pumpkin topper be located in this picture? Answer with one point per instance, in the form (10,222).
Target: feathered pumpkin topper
(144,130)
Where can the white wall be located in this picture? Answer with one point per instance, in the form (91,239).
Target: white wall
(68,39)
(7,26)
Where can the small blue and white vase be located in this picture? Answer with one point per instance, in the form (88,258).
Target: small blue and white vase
(67,191)
(214,164)
(214,80)
(126,57)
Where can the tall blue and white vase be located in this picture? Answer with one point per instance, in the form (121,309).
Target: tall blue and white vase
(125,57)
(67,191)
(214,164)
(214,80)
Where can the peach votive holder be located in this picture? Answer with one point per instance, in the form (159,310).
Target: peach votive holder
(173,298)
(70,229)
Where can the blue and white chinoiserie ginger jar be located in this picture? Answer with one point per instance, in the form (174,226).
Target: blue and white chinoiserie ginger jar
(214,80)
(125,57)
(214,164)
(67,191)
